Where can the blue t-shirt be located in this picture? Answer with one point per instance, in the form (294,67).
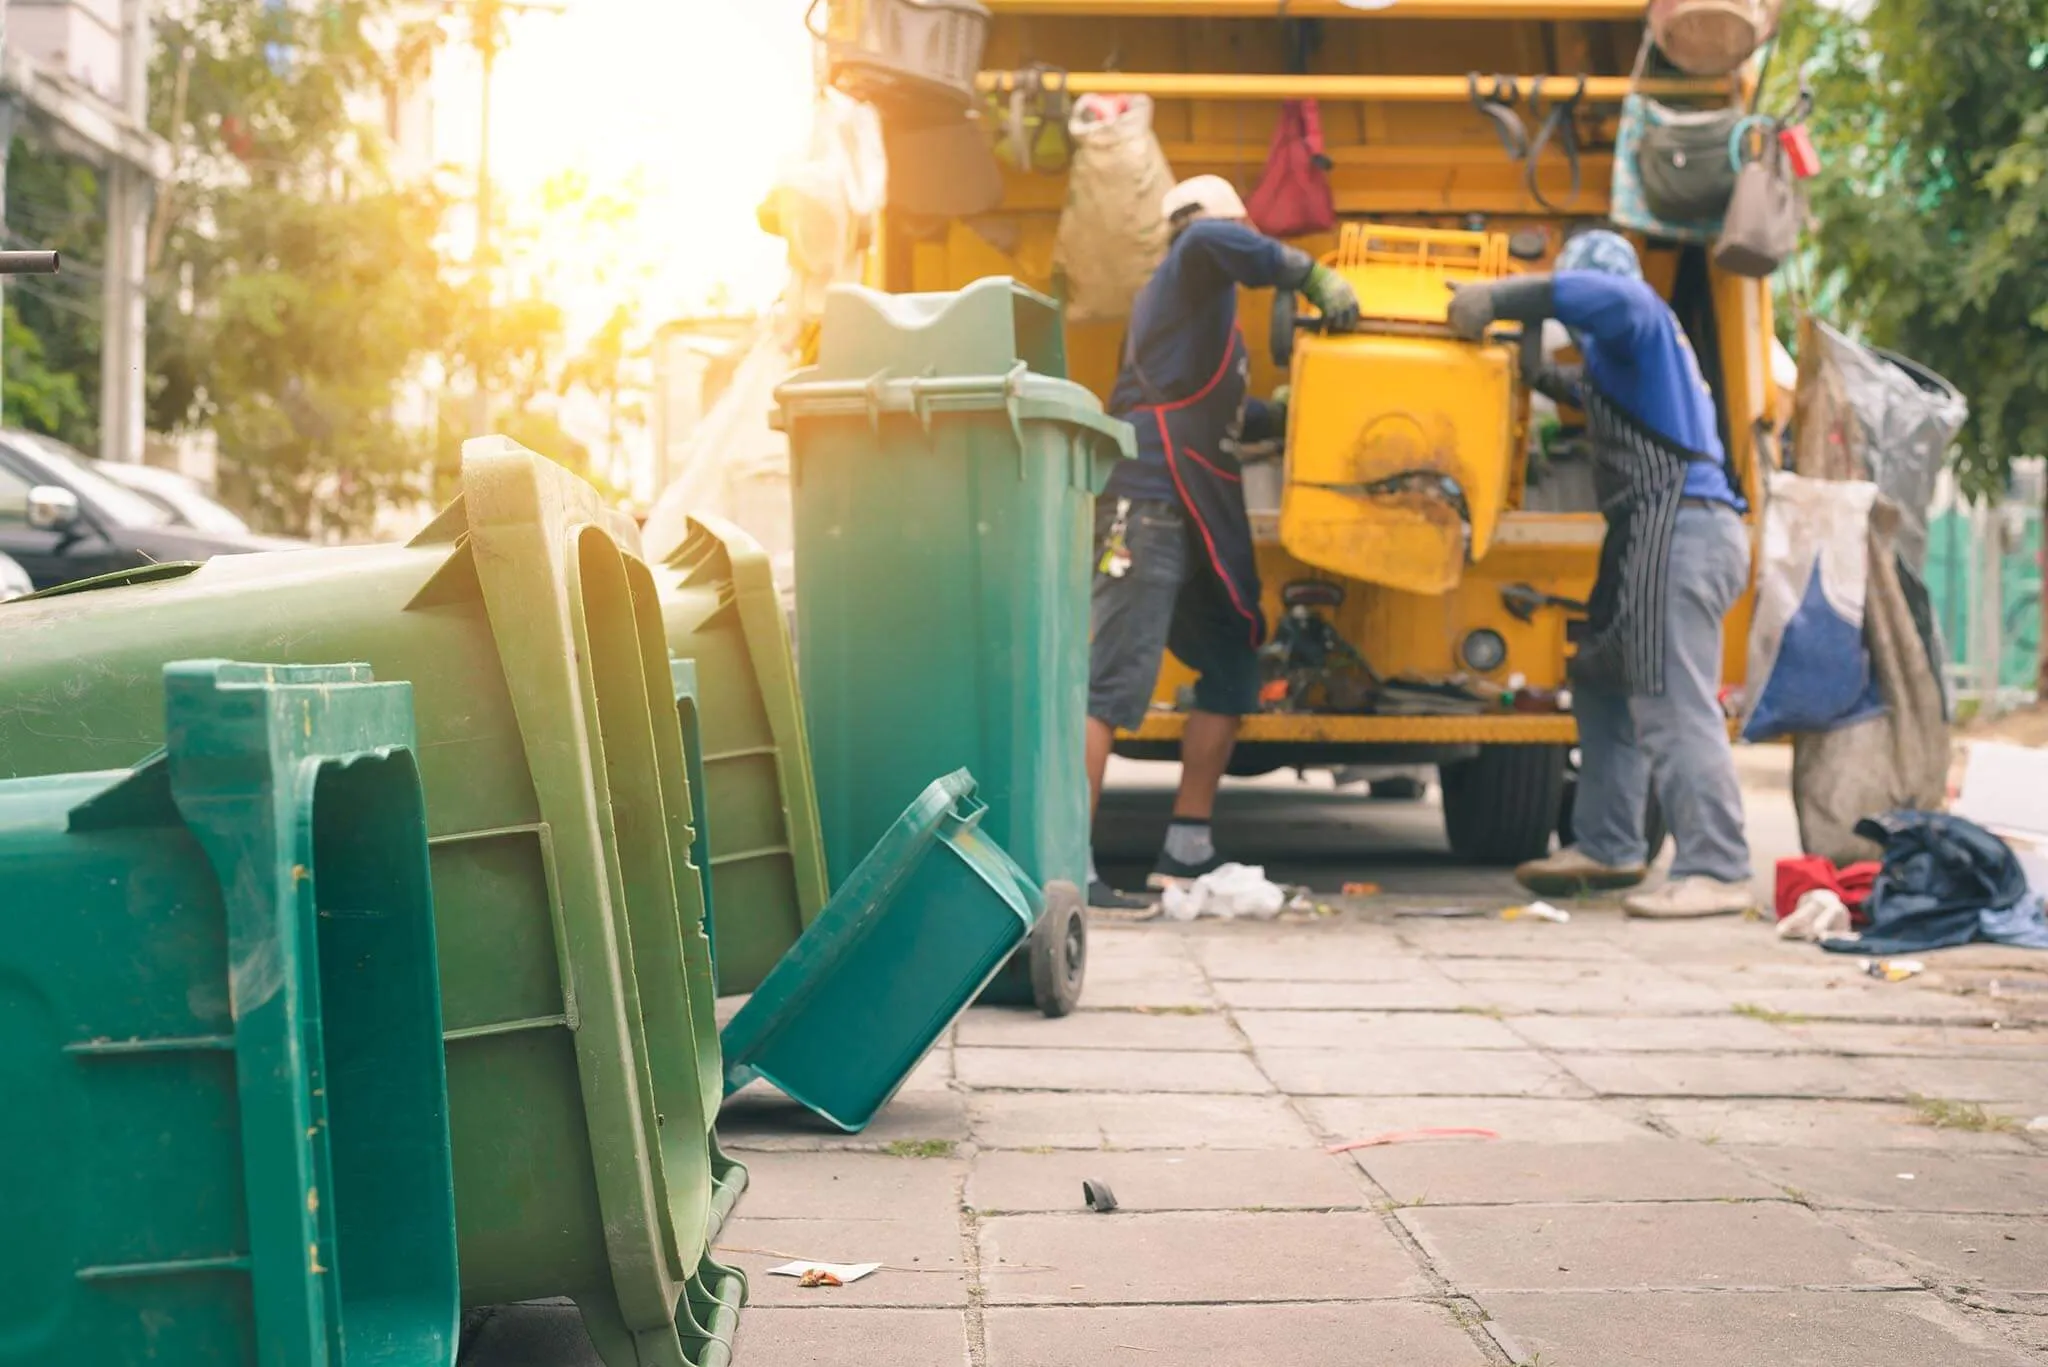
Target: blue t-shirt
(1638,356)
(1181,328)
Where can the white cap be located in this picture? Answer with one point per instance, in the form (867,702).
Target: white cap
(1208,196)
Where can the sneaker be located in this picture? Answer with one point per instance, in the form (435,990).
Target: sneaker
(1684,898)
(1171,873)
(1570,872)
(1106,900)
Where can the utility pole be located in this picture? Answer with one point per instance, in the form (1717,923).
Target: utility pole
(123,329)
(485,17)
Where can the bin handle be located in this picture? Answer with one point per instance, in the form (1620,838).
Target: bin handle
(810,14)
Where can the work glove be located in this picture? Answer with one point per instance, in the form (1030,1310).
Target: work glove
(1333,297)
(1527,299)
(1471,311)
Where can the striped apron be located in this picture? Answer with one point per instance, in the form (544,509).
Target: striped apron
(1640,478)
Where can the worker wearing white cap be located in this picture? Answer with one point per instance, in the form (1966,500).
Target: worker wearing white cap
(1175,568)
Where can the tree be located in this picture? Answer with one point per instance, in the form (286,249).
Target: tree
(52,341)
(295,289)
(1932,207)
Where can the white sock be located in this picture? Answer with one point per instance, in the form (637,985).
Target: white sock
(1189,842)
(1093,876)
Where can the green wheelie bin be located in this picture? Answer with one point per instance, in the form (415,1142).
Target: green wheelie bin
(224,1134)
(944,475)
(582,1049)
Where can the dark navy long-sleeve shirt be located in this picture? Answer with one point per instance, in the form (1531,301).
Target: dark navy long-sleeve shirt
(1638,357)
(1181,328)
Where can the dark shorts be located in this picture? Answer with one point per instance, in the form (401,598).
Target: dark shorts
(1169,599)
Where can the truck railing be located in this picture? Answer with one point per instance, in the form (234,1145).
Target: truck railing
(1538,10)
(1188,85)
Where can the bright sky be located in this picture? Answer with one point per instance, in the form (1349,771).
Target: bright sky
(682,108)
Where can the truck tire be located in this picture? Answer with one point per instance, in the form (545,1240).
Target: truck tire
(1501,807)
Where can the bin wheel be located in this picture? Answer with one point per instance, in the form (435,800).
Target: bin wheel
(1059,950)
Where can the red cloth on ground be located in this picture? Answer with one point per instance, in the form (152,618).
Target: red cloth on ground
(1797,877)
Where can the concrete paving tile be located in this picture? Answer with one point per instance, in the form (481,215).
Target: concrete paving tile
(1616,996)
(1818,1124)
(1654,1034)
(1377,1334)
(925,1266)
(1186,1179)
(1343,1118)
(1434,993)
(1616,972)
(1375,1030)
(1112,944)
(1758,1075)
(933,1074)
(851,1186)
(1192,1257)
(1810,1329)
(1892,1004)
(1519,1173)
(1006,1028)
(1994,1253)
(1108,1070)
(828,1336)
(2022,1083)
(1160,983)
(1588,937)
(1879,1179)
(1416,1072)
(1924,1041)
(1642,1247)
(759,1117)
(1082,1120)
(1308,955)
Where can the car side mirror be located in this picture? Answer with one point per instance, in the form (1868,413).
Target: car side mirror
(52,508)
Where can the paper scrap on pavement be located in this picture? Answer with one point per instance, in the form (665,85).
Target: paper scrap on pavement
(848,1273)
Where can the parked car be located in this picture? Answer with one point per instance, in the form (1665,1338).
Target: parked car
(63,519)
(179,495)
(14,580)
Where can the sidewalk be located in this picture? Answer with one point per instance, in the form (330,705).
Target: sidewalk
(1713,1150)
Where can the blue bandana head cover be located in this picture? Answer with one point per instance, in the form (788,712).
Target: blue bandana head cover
(1602,251)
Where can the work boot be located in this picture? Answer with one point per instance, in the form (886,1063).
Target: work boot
(1107,901)
(1571,872)
(1686,898)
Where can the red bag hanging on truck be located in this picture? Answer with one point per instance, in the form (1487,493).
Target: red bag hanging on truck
(1293,196)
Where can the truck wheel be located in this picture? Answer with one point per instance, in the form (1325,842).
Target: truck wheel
(1059,950)
(1501,807)
(1655,831)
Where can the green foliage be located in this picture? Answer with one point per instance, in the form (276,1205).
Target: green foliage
(1932,207)
(295,289)
(52,342)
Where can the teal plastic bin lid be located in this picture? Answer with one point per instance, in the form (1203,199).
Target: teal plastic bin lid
(986,328)
(917,930)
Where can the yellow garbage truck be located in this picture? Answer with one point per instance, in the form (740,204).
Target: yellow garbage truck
(1428,534)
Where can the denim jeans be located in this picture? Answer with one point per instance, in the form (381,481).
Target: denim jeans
(1679,740)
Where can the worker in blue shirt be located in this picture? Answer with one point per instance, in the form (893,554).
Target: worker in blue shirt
(1646,678)
(1174,562)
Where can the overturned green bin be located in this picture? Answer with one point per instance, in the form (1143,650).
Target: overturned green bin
(582,1051)
(944,475)
(224,1133)
(764,861)
(913,933)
